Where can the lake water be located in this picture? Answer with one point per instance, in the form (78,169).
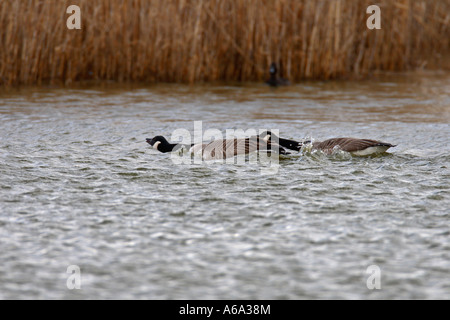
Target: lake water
(79,186)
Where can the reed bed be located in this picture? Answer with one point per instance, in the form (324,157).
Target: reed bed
(216,40)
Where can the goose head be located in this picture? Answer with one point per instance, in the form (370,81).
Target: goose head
(160,143)
(267,135)
(285,143)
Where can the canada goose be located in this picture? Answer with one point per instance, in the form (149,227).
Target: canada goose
(274,81)
(357,147)
(221,148)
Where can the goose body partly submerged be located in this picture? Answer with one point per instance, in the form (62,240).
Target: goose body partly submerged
(357,147)
(221,148)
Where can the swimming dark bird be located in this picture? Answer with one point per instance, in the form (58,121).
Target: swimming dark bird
(357,147)
(274,80)
(221,148)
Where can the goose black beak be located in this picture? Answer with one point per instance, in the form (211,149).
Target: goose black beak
(150,141)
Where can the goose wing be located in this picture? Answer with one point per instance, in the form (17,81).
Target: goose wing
(349,144)
(226,148)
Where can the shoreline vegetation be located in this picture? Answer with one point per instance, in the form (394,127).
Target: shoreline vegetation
(190,41)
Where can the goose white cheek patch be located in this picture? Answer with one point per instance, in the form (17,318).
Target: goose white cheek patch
(157,143)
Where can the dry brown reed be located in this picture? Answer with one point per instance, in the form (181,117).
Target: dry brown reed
(209,40)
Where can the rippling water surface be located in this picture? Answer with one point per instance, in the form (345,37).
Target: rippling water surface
(79,186)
